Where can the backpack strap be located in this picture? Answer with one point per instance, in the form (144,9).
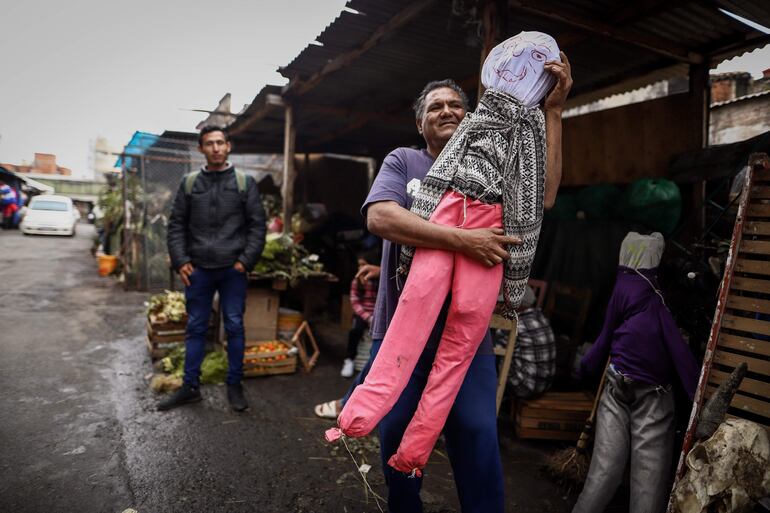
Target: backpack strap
(189,181)
(240,179)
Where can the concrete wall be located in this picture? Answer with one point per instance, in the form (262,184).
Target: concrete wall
(739,120)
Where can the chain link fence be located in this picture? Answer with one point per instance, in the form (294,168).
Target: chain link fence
(150,180)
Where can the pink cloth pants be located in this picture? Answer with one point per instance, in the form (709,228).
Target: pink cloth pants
(434,273)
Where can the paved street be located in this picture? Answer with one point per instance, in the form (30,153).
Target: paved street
(79,431)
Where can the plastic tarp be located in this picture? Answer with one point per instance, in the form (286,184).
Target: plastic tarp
(140,142)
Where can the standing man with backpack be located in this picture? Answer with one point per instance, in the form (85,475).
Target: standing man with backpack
(216,233)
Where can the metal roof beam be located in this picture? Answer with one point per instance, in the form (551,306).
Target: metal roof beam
(299,87)
(359,120)
(624,16)
(654,44)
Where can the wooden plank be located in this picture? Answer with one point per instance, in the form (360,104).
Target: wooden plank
(562,396)
(561,407)
(551,424)
(543,434)
(748,304)
(756,247)
(732,267)
(746,344)
(544,413)
(760,192)
(761,175)
(498,322)
(743,265)
(748,404)
(579,402)
(748,385)
(756,365)
(746,324)
(289,141)
(750,284)
(757,227)
(505,368)
(758,210)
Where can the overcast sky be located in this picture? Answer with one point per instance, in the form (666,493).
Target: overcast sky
(74,70)
(78,69)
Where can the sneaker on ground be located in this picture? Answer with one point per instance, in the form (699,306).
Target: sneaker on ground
(235,397)
(347,368)
(184,395)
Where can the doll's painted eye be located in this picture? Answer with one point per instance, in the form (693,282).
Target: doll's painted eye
(538,56)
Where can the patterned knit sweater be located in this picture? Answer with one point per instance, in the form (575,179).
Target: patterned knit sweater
(496,155)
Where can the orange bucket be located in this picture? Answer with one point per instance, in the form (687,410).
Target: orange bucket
(107,264)
(288,322)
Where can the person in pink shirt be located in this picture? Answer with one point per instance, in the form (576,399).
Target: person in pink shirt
(363,296)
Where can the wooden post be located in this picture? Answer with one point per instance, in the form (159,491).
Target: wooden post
(125,236)
(305,173)
(700,96)
(289,136)
(491,27)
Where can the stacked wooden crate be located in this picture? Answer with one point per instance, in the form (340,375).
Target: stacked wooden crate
(553,415)
(164,337)
(265,355)
(269,358)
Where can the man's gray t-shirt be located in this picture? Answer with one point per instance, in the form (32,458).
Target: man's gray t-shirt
(399,177)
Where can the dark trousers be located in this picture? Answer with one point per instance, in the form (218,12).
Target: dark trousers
(231,285)
(354,336)
(470,433)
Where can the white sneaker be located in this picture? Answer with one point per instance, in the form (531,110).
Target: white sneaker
(347,368)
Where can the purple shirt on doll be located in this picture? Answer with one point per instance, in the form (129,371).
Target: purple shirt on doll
(641,337)
(400,175)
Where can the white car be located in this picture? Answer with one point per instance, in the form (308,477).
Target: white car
(50,215)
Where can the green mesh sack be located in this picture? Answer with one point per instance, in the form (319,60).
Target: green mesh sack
(599,201)
(653,202)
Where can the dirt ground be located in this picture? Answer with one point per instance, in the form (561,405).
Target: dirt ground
(79,430)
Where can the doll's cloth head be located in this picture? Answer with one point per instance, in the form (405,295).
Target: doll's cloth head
(515,66)
(642,251)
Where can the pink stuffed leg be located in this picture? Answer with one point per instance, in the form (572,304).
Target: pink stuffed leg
(424,293)
(475,289)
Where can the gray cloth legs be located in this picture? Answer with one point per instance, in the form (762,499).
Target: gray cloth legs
(635,420)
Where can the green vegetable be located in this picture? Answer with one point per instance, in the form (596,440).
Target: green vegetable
(169,306)
(213,369)
(282,258)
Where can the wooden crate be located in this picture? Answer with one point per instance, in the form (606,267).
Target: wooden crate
(162,338)
(282,361)
(260,321)
(553,416)
(166,332)
(161,350)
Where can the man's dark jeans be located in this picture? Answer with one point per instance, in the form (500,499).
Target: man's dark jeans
(231,285)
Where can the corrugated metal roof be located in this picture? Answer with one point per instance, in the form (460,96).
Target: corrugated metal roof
(439,42)
(741,99)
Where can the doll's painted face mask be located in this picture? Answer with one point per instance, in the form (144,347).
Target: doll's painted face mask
(515,66)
